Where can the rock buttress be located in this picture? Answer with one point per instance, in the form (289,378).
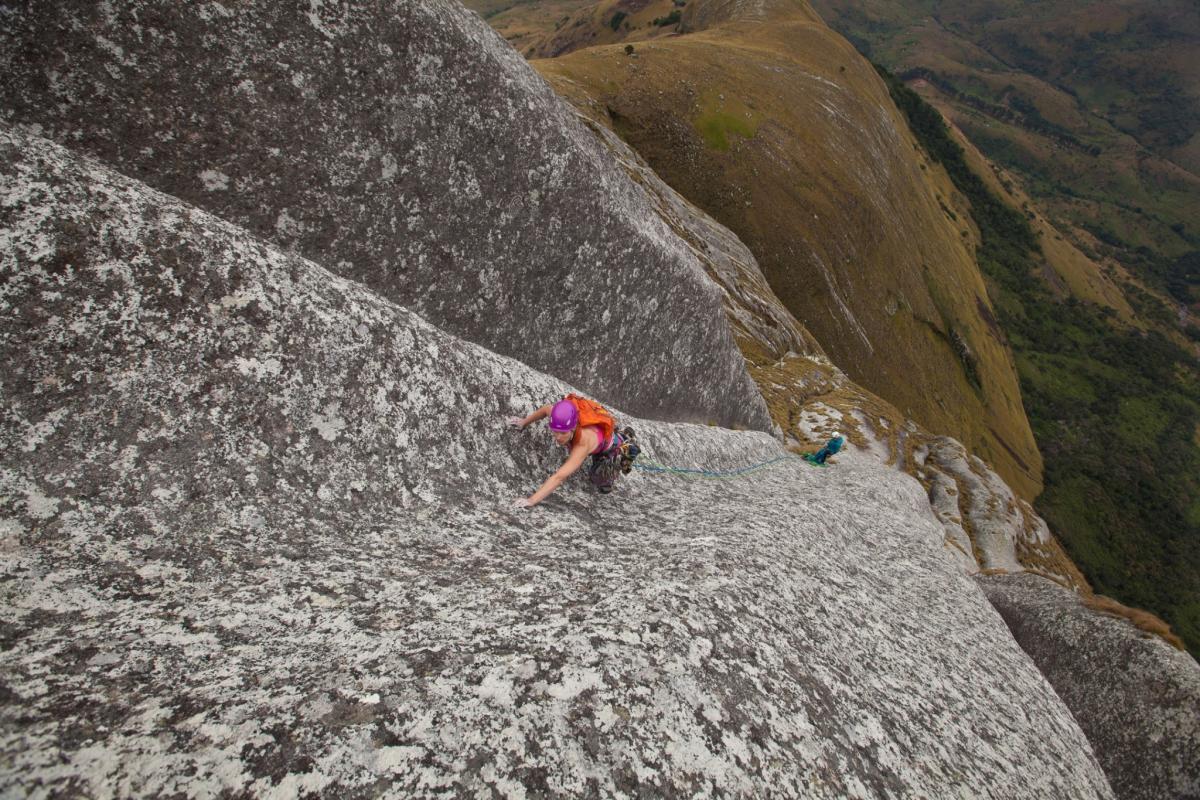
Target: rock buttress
(1136,697)
(406,146)
(775,126)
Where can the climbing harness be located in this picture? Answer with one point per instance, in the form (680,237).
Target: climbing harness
(628,452)
(618,457)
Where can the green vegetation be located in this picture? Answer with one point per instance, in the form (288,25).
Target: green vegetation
(1182,277)
(617,19)
(670,19)
(1116,412)
(1087,102)
(715,126)
(1016,109)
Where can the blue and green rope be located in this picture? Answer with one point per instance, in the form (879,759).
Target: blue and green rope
(686,472)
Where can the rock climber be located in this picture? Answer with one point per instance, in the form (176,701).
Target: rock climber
(831,447)
(585,428)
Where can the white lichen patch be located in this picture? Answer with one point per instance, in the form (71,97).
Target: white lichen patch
(40,506)
(497,688)
(396,759)
(40,431)
(267,368)
(214,180)
(329,424)
(288,226)
(10,534)
(389,167)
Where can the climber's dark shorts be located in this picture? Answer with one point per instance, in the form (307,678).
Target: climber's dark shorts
(606,466)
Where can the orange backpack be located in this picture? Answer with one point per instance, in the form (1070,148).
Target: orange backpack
(591,413)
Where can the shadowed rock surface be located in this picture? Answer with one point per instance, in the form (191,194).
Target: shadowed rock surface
(1136,697)
(405,145)
(759,319)
(258,539)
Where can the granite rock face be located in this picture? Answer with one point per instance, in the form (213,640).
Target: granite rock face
(258,539)
(1136,697)
(404,145)
(984,518)
(986,526)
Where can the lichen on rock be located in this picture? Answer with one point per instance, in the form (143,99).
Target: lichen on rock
(406,146)
(1136,697)
(230,577)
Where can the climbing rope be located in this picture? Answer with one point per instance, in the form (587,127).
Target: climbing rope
(650,466)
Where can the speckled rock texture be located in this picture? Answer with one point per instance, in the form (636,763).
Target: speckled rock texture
(1136,697)
(404,145)
(258,540)
(986,526)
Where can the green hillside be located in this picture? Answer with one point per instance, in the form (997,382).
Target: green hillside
(1094,105)
(770,122)
(1116,411)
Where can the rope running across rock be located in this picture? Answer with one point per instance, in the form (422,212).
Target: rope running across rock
(651,467)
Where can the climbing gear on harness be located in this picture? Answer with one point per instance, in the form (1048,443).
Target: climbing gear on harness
(602,472)
(617,459)
(629,451)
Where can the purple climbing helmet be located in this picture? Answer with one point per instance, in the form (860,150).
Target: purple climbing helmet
(564,416)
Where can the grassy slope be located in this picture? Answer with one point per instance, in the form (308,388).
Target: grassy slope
(784,134)
(549,28)
(1096,107)
(523,23)
(1066,270)
(1116,410)
(1130,62)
